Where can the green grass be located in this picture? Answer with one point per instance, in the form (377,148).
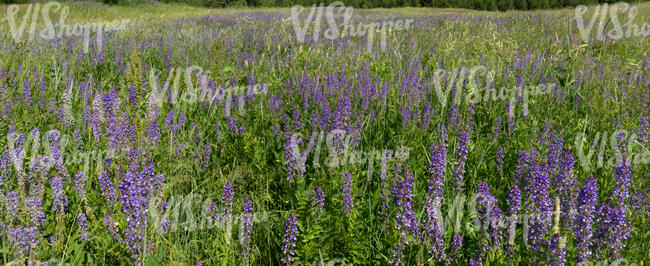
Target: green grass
(175,36)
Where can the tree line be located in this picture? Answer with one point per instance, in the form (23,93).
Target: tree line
(491,5)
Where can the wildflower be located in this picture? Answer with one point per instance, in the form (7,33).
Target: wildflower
(583,228)
(540,207)
(60,199)
(499,160)
(433,227)
(11,204)
(557,250)
(289,240)
(226,202)
(565,184)
(623,178)
(456,244)
(403,195)
(348,201)
(292,158)
(80,184)
(83,226)
(245,230)
(319,198)
(24,241)
(461,157)
(489,215)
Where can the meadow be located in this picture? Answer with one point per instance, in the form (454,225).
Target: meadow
(194,136)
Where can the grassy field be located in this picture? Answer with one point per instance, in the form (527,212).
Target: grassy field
(219,137)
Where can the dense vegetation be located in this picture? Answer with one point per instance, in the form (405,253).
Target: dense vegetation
(108,157)
(492,5)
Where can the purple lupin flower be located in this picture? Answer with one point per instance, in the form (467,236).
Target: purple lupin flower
(348,202)
(80,184)
(427,116)
(292,158)
(612,231)
(551,140)
(454,118)
(405,112)
(206,156)
(106,187)
(226,205)
(18,154)
(24,241)
(489,215)
(290,238)
(83,226)
(406,221)
(97,117)
(557,251)
(233,124)
(540,207)
(319,198)
(475,262)
(497,129)
(246,229)
(133,97)
(583,228)
(153,133)
(432,227)
(35,211)
(58,194)
(437,166)
(623,178)
(27,93)
(11,204)
(461,157)
(514,205)
(78,142)
(499,160)
(456,244)
(169,120)
(5,166)
(398,251)
(642,130)
(565,184)
(613,228)
(111,225)
(137,186)
(526,160)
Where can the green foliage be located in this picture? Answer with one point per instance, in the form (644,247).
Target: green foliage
(490,5)
(235,48)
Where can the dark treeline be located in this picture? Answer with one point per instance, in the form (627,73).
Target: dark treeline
(491,5)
